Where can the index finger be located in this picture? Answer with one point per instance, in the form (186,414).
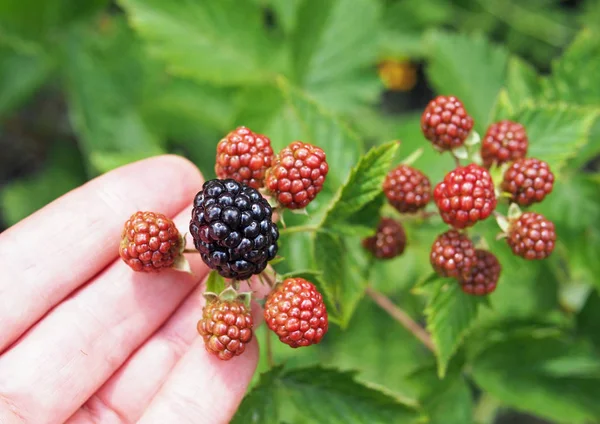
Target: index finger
(54,251)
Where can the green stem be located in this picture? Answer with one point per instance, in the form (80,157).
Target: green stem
(300,229)
(269,344)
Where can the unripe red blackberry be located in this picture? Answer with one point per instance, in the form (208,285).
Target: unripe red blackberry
(297,175)
(226,327)
(504,141)
(150,242)
(407,189)
(532,236)
(446,123)
(452,254)
(528,180)
(465,196)
(295,311)
(484,274)
(244,156)
(389,241)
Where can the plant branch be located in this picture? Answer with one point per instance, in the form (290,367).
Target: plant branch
(401,316)
(190,251)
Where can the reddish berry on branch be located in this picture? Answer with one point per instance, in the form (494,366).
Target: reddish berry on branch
(295,311)
(465,196)
(528,181)
(483,276)
(407,189)
(297,175)
(452,254)
(244,156)
(150,242)
(389,241)
(504,141)
(232,229)
(226,327)
(532,236)
(446,123)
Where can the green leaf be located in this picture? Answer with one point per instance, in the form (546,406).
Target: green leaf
(321,395)
(331,45)
(446,401)
(588,319)
(286,13)
(33,20)
(450,315)
(22,197)
(550,377)
(522,81)
(470,68)
(570,82)
(223,42)
(21,73)
(105,76)
(555,131)
(570,79)
(363,186)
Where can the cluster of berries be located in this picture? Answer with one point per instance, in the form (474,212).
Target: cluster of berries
(467,195)
(233,230)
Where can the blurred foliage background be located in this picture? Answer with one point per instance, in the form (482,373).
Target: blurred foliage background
(87,86)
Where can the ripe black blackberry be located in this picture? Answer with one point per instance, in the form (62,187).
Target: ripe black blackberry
(388,242)
(528,181)
(452,254)
(484,274)
(232,229)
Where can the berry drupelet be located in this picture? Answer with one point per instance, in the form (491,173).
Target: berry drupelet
(407,189)
(465,196)
(233,229)
(244,156)
(446,123)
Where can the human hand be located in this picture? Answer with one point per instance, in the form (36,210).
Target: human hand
(83,338)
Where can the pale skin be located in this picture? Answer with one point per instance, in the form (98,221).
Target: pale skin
(84,339)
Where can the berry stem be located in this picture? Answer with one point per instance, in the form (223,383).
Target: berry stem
(456,160)
(190,251)
(300,229)
(401,316)
(269,344)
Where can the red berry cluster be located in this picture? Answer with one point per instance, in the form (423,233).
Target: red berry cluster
(233,230)
(467,195)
